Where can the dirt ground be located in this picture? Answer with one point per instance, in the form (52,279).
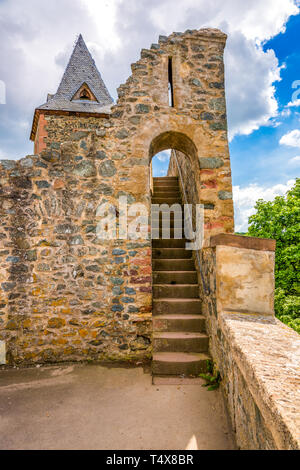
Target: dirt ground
(96,407)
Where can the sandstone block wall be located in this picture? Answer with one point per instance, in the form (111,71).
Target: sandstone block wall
(257,356)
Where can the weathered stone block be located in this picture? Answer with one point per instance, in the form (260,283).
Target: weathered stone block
(196,82)
(122,134)
(211,163)
(107,169)
(56,323)
(218,104)
(77,240)
(42,184)
(78,135)
(86,169)
(8,286)
(224,195)
(50,156)
(218,126)
(8,164)
(66,228)
(207,116)
(117,281)
(142,109)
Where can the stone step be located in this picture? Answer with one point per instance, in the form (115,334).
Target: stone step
(157,227)
(183,291)
(175,277)
(158,179)
(192,323)
(166,187)
(167,200)
(165,183)
(157,224)
(174,306)
(180,364)
(171,253)
(180,342)
(163,215)
(156,211)
(173,265)
(169,243)
(169,223)
(172,231)
(157,233)
(165,197)
(178,325)
(168,192)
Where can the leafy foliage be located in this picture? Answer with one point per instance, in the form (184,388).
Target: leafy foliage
(212,377)
(280,220)
(287,309)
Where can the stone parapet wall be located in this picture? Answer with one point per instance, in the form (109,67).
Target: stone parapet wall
(258,357)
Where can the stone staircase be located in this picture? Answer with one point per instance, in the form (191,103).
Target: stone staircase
(179,339)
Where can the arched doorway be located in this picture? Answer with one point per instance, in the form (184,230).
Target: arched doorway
(179,340)
(173,140)
(174,155)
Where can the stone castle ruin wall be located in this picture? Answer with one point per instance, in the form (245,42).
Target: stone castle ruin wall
(66,295)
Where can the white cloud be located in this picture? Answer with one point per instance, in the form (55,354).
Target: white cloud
(293,104)
(256,19)
(245,200)
(295,161)
(286,113)
(292,138)
(163,156)
(250,74)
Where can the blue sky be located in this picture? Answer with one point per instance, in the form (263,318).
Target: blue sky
(261,60)
(259,157)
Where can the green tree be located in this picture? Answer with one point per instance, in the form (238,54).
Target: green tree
(280,220)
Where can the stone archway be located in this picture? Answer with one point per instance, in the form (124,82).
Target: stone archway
(181,144)
(173,140)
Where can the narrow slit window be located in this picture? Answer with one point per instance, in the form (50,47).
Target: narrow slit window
(170,85)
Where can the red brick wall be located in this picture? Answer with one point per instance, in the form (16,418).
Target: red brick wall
(39,143)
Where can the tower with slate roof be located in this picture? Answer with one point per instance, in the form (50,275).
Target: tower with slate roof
(81,93)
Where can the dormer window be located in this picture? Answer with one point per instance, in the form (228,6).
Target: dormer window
(84,95)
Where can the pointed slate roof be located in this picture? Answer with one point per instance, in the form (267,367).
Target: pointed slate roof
(80,69)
